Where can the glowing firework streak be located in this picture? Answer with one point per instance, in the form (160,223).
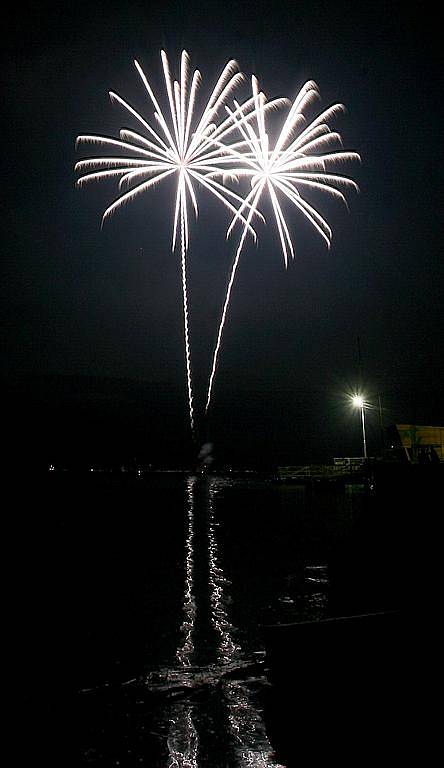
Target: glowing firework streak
(303,157)
(178,146)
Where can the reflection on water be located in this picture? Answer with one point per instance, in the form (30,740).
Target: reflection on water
(184,653)
(227,650)
(183,741)
(188,692)
(250,745)
(307,597)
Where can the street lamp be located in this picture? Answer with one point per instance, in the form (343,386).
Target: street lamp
(358,402)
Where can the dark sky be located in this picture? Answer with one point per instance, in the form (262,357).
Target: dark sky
(92,322)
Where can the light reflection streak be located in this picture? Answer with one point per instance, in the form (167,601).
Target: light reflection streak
(245,723)
(185,652)
(227,649)
(183,739)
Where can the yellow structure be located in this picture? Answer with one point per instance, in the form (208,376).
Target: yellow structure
(414,437)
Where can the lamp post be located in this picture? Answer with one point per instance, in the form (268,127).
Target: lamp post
(358,402)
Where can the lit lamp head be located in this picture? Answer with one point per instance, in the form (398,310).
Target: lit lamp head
(358,401)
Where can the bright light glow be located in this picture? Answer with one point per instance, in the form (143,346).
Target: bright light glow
(303,158)
(177,147)
(359,402)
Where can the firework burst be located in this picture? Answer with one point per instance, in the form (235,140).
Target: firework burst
(179,147)
(304,157)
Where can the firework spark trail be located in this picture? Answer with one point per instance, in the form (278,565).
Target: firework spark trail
(287,169)
(178,146)
(185,320)
(225,307)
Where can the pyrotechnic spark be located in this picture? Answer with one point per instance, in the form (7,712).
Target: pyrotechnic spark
(303,157)
(177,146)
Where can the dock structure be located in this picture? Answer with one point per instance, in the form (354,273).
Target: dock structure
(342,470)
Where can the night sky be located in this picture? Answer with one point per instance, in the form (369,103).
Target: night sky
(93,361)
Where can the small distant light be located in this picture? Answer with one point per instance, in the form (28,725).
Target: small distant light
(91,470)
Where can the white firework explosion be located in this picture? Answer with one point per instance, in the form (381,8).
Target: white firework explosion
(304,157)
(178,146)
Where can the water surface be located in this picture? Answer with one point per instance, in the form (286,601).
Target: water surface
(156,590)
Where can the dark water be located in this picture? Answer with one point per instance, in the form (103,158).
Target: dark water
(141,603)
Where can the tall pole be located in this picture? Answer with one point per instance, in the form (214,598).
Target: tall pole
(363,431)
(359,366)
(381,425)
